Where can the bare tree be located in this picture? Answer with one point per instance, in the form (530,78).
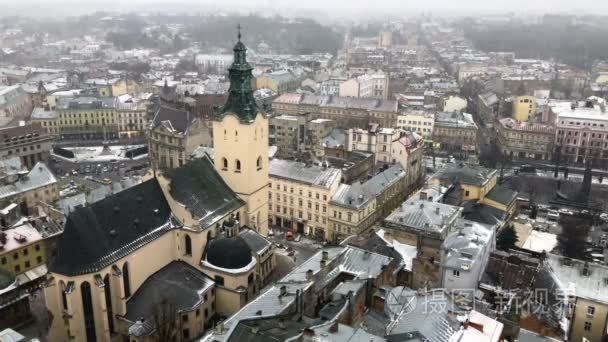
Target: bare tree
(166,321)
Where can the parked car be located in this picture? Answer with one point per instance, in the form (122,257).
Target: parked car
(552,215)
(604,217)
(564,211)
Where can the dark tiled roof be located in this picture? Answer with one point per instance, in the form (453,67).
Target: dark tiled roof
(180,120)
(229,253)
(254,240)
(100,234)
(178,284)
(374,243)
(502,195)
(482,213)
(268,329)
(201,189)
(464,174)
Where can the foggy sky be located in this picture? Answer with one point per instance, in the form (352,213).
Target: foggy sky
(291,7)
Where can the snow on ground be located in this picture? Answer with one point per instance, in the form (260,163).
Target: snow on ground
(539,241)
(97,153)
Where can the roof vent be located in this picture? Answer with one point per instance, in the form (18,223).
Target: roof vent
(116,209)
(139,199)
(421,205)
(258,313)
(156,211)
(135,222)
(113,232)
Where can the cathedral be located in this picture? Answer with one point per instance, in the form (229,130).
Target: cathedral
(166,259)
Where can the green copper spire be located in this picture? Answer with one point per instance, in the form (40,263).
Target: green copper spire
(240,95)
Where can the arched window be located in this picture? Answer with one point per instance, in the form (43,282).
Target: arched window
(64,296)
(108,293)
(125,279)
(237,166)
(224,164)
(259,163)
(188,245)
(87,310)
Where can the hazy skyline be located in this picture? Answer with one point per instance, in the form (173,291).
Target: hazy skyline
(338,8)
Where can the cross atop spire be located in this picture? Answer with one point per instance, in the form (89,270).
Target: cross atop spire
(238,27)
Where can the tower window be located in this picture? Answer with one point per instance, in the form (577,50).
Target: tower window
(224,164)
(259,163)
(237,166)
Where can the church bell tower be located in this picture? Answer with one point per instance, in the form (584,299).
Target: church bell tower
(240,141)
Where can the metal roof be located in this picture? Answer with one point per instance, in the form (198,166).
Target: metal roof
(356,195)
(569,276)
(431,217)
(463,246)
(303,173)
(39,176)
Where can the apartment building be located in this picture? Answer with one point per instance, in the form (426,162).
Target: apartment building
(350,112)
(421,122)
(299,196)
(374,85)
(581,131)
(173,135)
(424,225)
(356,207)
(576,294)
(299,134)
(131,117)
(525,139)
(455,132)
(23,249)
(87,118)
(30,142)
(47,119)
(28,189)
(14,102)
(389,145)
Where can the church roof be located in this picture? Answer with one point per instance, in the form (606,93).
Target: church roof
(104,232)
(203,191)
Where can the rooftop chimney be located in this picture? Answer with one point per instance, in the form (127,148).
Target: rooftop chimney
(324,255)
(309,275)
(282,291)
(437,209)
(423,195)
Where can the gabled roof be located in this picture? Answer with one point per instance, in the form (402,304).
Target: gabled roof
(502,195)
(199,187)
(40,175)
(430,217)
(256,242)
(175,119)
(100,234)
(464,174)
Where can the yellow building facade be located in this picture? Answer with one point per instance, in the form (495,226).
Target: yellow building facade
(240,141)
(523,107)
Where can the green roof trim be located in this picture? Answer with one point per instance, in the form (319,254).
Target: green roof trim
(240,94)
